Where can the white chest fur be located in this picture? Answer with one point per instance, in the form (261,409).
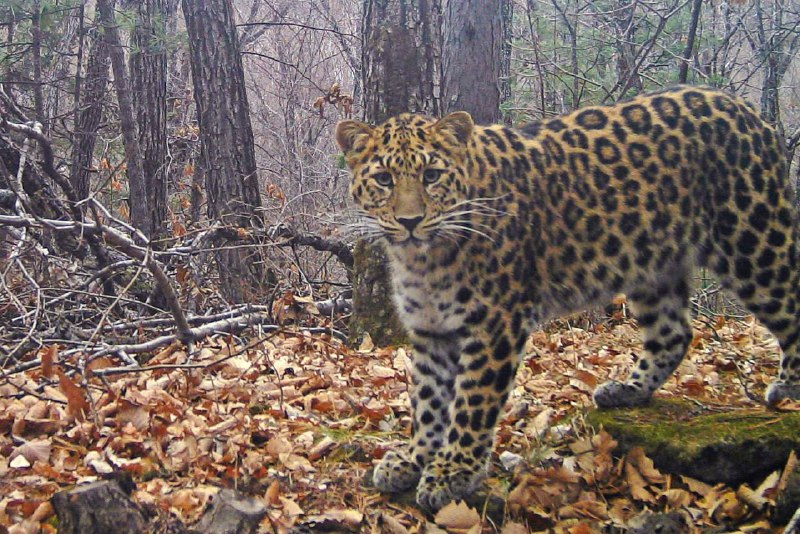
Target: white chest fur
(425,294)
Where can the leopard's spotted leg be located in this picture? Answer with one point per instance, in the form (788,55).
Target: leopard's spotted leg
(486,374)
(432,372)
(663,315)
(781,317)
(770,292)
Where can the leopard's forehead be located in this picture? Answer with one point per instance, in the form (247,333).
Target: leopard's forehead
(405,140)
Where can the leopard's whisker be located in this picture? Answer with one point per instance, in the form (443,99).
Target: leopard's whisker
(466,230)
(478,209)
(469,222)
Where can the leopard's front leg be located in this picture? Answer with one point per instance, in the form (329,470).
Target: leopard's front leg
(487,367)
(432,384)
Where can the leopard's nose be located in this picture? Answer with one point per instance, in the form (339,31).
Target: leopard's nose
(410,223)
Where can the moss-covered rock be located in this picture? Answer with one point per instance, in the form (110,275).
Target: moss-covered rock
(732,446)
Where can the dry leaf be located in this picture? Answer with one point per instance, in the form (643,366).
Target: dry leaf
(77,405)
(637,484)
(278,445)
(35,450)
(366,344)
(273,493)
(512,527)
(676,498)
(751,498)
(697,486)
(295,462)
(791,466)
(49,358)
(336,520)
(389,525)
(457,516)
(727,508)
(645,466)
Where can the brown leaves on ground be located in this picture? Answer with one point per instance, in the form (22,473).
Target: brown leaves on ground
(297,421)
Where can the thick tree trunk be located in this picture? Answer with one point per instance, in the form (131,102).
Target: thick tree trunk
(87,120)
(149,84)
(401,73)
(227,147)
(400,57)
(473,58)
(137,189)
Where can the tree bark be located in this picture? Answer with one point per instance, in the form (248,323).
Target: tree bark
(99,507)
(137,189)
(474,61)
(401,66)
(400,56)
(87,119)
(149,84)
(226,136)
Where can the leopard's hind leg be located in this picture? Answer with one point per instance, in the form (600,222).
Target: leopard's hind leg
(662,310)
(767,285)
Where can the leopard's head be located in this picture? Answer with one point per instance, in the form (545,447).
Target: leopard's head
(410,174)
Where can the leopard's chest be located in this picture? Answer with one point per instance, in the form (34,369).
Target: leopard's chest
(428,297)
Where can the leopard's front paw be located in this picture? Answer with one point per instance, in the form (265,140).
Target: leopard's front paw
(613,394)
(443,482)
(396,472)
(779,390)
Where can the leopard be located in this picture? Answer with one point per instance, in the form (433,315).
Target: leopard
(490,231)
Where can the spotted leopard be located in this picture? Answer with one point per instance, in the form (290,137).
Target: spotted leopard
(492,230)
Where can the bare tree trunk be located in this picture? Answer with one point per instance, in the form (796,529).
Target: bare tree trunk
(777,48)
(572,30)
(400,57)
(149,85)
(625,28)
(683,74)
(87,118)
(473,59)
(400,61)
(137,188)
(226,135)
(36,51)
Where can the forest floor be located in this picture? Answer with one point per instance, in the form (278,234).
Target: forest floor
(298,421)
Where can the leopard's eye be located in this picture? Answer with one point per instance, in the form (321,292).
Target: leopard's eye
(383,178)
(431,176)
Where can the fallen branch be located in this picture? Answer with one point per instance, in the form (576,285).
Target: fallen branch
(292,238)
(124,244)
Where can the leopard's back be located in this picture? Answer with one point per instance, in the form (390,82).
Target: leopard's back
(617,194)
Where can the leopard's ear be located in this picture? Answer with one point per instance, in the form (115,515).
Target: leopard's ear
(459,124)
(349,133)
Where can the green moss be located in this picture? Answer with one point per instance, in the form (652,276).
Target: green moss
(688,438)
(373,308)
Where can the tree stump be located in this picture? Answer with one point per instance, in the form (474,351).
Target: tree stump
(99,508)
(232,513)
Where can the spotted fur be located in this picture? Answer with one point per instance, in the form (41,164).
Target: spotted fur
(492,230)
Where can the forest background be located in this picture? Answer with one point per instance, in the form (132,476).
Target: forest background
(130,238)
